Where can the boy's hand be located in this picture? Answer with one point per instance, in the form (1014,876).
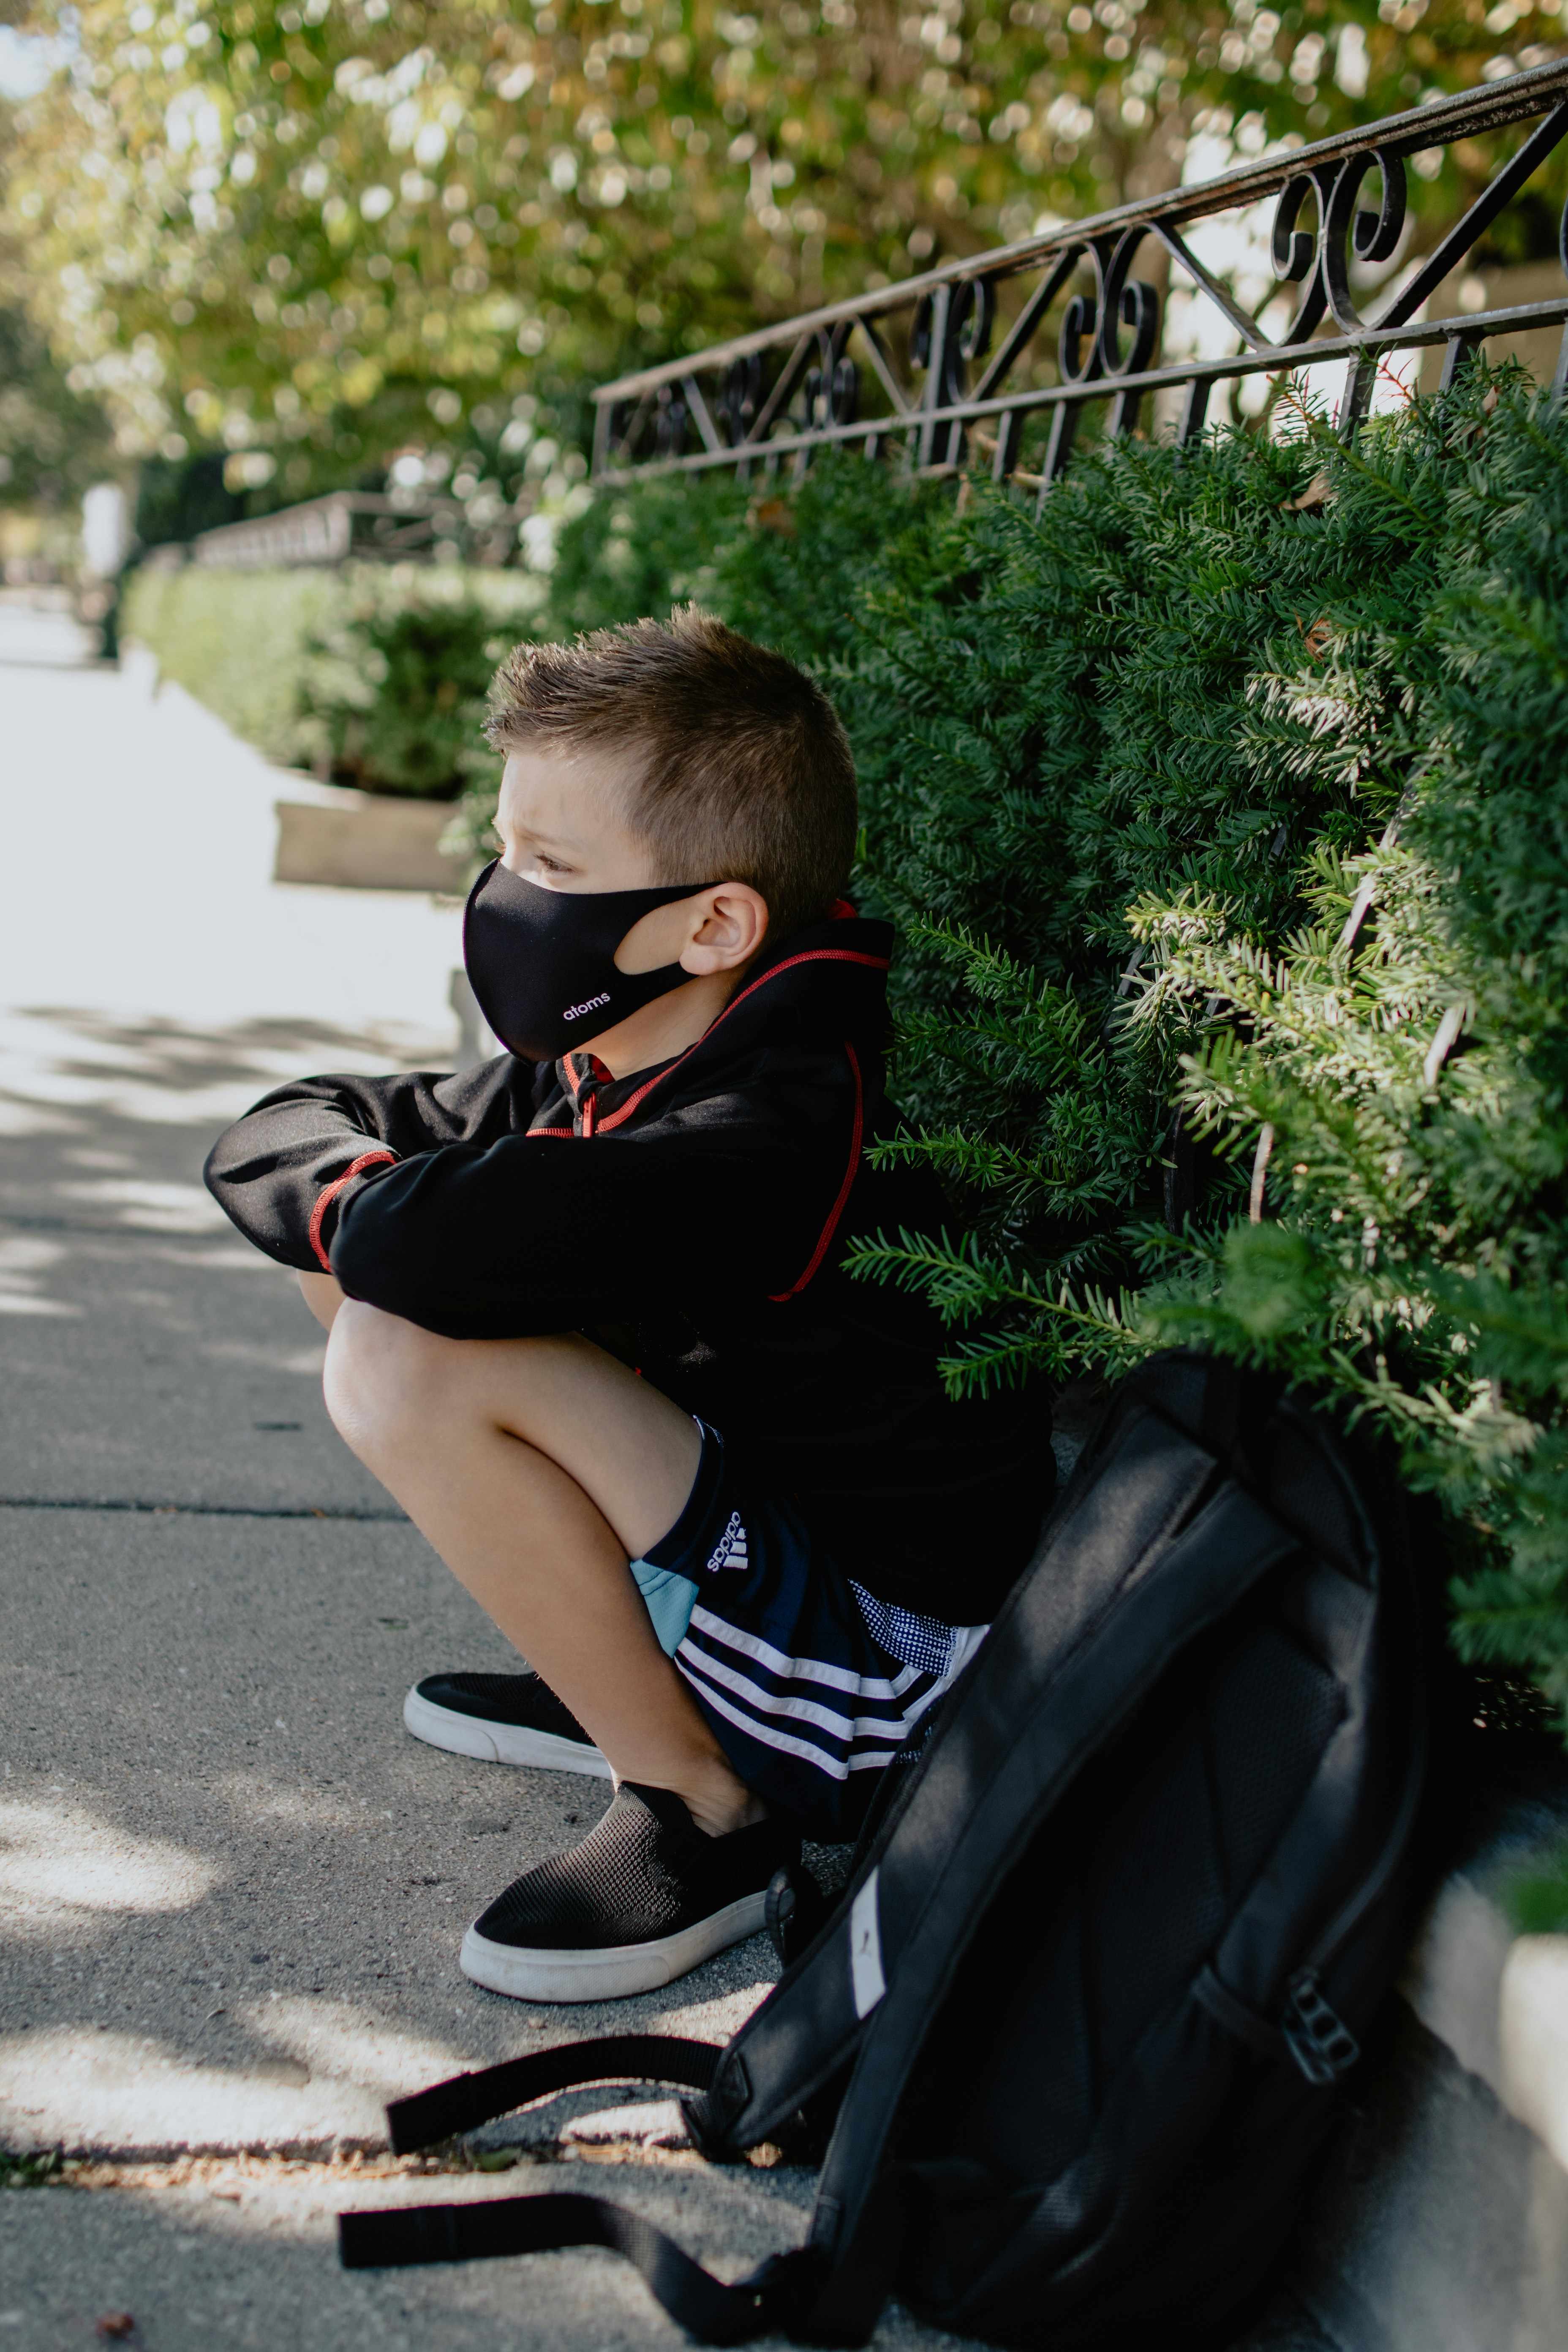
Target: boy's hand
(322,1296)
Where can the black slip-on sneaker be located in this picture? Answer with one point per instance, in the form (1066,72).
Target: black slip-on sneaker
(502,1719)
(643,1898)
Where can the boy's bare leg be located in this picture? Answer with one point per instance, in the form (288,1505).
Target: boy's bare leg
(537,1468)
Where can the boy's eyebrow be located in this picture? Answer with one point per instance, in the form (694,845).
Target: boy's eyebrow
(542,840)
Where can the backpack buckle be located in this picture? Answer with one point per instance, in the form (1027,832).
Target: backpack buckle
(1318,2038)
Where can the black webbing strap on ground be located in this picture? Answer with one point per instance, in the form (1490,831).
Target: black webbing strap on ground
(712,2312)
(468,2100)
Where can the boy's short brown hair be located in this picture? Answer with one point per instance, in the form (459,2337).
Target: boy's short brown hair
(748,773)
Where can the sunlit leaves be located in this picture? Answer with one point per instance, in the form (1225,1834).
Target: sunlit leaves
(361,205)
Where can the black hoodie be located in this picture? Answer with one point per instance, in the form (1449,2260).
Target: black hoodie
(691,1218)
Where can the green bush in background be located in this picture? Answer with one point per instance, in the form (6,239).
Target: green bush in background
(789,567)
(376,673)
(1263,699)
(236,641)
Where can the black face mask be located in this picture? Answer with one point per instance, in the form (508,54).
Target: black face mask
(541,962)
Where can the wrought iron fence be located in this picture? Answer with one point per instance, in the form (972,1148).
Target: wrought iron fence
(330,530)
(970,381)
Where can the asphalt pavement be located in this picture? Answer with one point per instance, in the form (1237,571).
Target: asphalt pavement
(232,1888)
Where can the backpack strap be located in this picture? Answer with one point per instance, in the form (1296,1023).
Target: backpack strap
(399,2236)
(713,2313)
(465,2101)
(781,2294)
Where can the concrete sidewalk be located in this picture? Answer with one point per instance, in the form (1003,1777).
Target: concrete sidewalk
(231,1887)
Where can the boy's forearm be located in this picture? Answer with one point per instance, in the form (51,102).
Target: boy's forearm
(538,1235)
(268,1170)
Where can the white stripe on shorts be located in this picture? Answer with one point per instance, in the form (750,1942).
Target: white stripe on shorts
(805,1710)
(804,1670)
(773,1694)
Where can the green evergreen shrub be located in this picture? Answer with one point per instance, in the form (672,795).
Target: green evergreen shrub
(1386,1222)
(1074,725)
(404,696)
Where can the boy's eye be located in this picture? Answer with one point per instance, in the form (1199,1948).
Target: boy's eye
(551,864)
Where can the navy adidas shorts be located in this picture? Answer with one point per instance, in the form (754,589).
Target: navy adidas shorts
(811,1685)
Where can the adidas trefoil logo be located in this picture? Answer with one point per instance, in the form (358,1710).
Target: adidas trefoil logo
(731,1551)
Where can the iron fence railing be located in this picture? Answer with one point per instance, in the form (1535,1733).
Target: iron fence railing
(329,529)
(966,381)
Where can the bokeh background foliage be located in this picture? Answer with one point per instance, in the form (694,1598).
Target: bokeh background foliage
(372,674)
(306,237)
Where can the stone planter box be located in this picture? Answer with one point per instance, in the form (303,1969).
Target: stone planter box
(361,841)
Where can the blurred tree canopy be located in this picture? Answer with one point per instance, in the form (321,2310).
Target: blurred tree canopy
(310,235)
(53,443)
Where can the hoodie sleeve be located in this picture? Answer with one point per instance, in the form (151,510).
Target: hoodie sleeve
(269,1170)
(540,1233)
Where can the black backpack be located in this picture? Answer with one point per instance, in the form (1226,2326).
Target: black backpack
(1082,2019)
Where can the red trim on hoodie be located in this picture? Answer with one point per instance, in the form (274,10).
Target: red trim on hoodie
(778,1298)
(329,1193)
(808,955)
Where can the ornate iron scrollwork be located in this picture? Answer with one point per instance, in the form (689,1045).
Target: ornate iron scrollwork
(832,390)
(971,316)
(1298,256)
(1369,235)
(1108,332)
(742,397)
(669,422)
(1126,301)
(1078,345)
(1089,344)
(965,323)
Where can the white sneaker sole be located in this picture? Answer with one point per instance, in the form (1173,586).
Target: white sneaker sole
(499,1743)
(609,1974)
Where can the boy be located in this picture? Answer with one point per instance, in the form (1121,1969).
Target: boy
(588,1324)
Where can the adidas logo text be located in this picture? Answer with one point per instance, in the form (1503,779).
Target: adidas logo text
(730,1550)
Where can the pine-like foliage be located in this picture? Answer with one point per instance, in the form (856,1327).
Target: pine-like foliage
(1085,731)
(1388,1221)
(786,564)
(1418,1090)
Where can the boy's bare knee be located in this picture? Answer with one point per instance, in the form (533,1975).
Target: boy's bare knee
(394,1391)
(382,1378)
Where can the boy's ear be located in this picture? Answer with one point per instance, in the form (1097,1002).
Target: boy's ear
(716,930)
(727,925)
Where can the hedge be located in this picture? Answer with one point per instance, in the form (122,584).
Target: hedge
(374,673)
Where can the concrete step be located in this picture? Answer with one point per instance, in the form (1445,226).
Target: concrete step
(1442,2224)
